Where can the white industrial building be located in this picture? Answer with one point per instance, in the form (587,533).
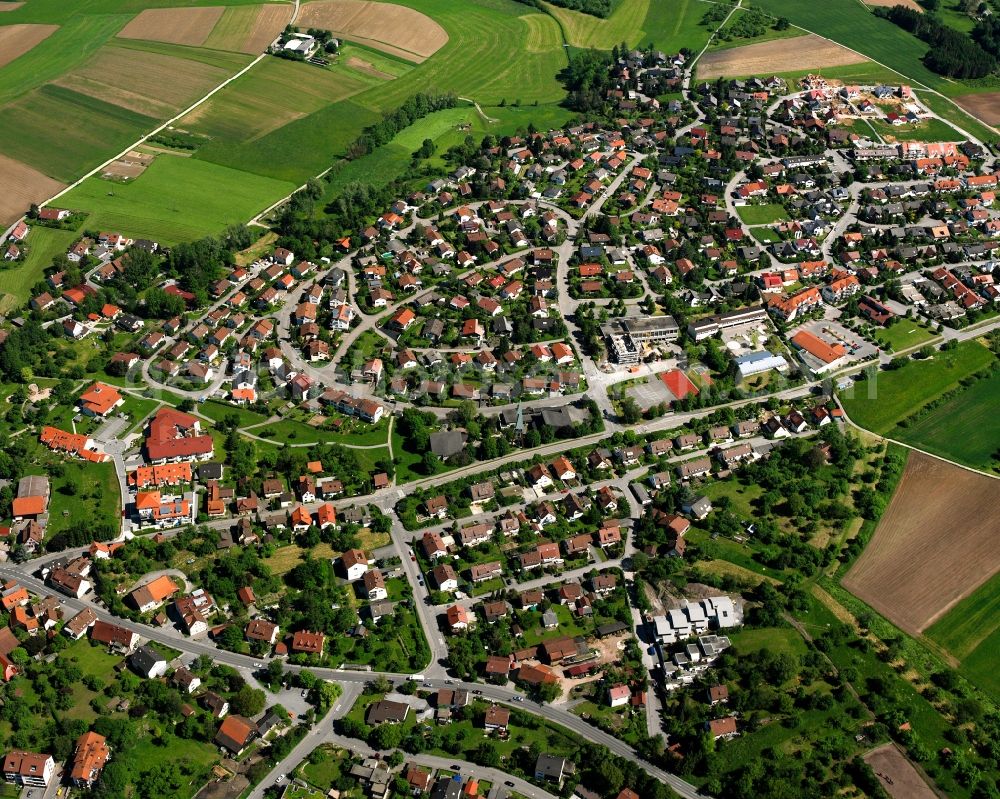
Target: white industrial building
(755,363)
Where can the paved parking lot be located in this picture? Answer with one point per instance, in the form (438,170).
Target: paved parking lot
(650,393)
(858,348)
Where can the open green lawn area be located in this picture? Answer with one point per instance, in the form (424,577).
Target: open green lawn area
(446,129)
(965,429)
(217,411)
(97,498)
(878,403)
(853,25)
(16,280)
(138,408)
(927,130)
(765,235)
(292,431)
(905,333)
(981,664)
(325,766)
(773,639)
(176,199)
(957,116)
(761,214)
(740,495)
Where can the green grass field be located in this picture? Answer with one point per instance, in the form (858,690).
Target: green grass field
(272,93)
(761,214)
(16,280)
(769,35)
(878,403)
(928,130)
(78,38)
(668,25)
(176,199)
(970,631)
(965,429)
(474,63)
(773,639)
(64,133)
(957,116)
(586,30)
(965,627)
(903,335)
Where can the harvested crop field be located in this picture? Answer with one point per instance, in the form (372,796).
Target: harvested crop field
(935,544)
(153,84)
(189,26)
(781,55)
(16,40)
(249,29)
(22,186)
(985,106)
(395,29)
(898,775)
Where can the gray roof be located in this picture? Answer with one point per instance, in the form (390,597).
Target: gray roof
(145,657)
(446,443)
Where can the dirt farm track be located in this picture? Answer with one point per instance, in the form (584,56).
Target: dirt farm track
(782,55)
(935,544)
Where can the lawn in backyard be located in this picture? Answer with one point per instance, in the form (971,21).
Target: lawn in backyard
(885,398)
(761,214)
(176,199)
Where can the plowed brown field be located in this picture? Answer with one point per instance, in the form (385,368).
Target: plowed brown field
(395,29)
(782,55)
(16,40)
(22,186)
(189,26)
(935,544)
(985,106)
